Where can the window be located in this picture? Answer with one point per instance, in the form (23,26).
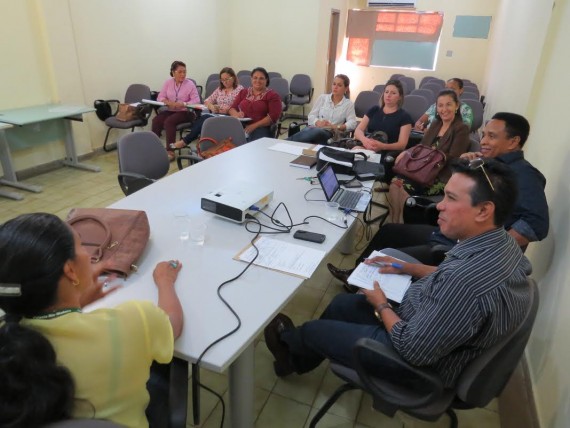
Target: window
(405,39)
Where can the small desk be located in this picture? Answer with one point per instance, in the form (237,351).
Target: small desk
(31,115)
(258,295)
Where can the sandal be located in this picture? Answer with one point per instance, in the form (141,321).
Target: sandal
(178,145)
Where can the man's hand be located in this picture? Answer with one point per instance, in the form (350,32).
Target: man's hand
(375,297)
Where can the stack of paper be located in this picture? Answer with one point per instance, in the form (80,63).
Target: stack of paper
(393,285)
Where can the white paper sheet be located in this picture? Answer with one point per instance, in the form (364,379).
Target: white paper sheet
(290,258)
(393,285)
(288,148)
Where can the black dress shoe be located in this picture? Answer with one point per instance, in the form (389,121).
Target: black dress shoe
(342,275)
(272,333)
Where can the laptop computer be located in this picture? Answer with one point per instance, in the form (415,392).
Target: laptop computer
(347,199)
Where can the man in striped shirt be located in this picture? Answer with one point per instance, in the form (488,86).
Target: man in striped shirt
(476,296)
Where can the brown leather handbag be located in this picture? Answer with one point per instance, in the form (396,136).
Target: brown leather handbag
(127,112)
(215,149)
(113,235)
(421,164)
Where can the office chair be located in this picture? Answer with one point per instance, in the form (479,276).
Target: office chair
(469,96)
(483,379)
(135,94)
(364,101)
(426,93)
(396,76)
(142,161)
(416,106)
(434,87)
(217,128)
(245,80)
(477,108)
(302,90)
(273,74)
(83,423)
(211,87)
(214,77)
(243,73)
(281,86)
(425,80)
(409,84)
(437,81)
(471,90)
(379,88)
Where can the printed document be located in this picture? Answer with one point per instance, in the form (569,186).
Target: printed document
(293,259)
(393,285)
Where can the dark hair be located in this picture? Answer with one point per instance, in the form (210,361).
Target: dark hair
(458,81)
(346,82)
(35,389)
(400,89)
(231,72)
(33,250)
(449,93)
(505,193)
(515,125)
(261,70)
(175,65)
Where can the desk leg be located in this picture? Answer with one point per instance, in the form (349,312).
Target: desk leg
(71,153)
(241,389)
(10,178)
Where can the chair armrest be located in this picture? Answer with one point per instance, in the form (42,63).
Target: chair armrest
(409,386)
(192,159)
(134,175)
(137,182)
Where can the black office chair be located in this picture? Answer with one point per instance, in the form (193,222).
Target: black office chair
(142,161)
(423,395)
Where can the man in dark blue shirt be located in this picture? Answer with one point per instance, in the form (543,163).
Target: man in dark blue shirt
(503,139)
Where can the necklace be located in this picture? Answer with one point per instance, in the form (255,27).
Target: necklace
(55,314)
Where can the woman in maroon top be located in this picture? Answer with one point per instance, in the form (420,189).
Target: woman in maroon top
(259,103)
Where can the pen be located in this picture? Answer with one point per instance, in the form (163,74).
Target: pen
(384,264)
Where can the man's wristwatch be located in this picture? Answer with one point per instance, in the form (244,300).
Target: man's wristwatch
(380,308)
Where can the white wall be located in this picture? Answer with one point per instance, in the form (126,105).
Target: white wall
(528,74)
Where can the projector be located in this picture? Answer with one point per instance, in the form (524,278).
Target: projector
(235,200)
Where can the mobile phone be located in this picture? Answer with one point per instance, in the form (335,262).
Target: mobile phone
(352,183)
(305,235)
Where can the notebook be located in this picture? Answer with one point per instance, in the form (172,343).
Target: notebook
(302,161)
(394,286)
(347,199)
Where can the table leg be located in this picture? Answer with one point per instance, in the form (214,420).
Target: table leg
(10,178)
(71,153)
(241,389)
(346,246)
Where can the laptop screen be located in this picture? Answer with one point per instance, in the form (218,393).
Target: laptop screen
(328,181)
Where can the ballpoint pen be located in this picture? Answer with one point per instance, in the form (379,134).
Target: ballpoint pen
(384,264)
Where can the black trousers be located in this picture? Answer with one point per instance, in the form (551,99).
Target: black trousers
(412,239)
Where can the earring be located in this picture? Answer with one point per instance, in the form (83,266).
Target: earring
(75,283)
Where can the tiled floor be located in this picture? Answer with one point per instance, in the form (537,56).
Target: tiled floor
(289,402)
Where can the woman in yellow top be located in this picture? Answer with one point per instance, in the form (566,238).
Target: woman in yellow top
(102,358)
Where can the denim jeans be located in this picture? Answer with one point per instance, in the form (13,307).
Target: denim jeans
(348,317)
(312,134)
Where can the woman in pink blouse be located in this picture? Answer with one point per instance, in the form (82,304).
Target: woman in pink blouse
(259,103)
(219,102)
(175,93)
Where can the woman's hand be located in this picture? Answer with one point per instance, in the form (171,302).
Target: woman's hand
(371,144)
(165,273)
(99,287)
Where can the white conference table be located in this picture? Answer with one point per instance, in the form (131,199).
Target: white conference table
(32,115)
(259,294)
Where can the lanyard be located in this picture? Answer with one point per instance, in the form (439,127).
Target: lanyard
(56,314)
